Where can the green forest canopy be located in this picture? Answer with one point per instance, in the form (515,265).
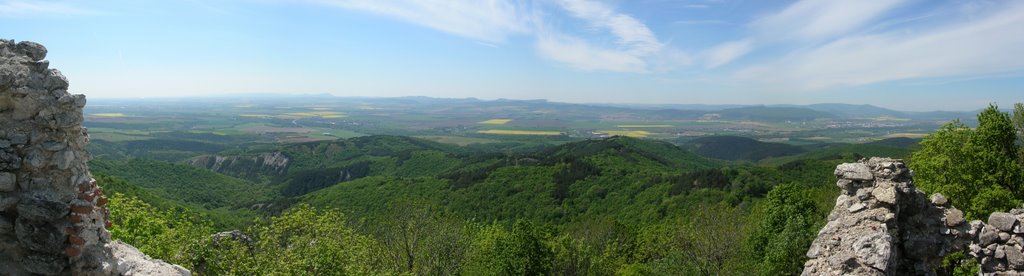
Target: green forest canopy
(612,206)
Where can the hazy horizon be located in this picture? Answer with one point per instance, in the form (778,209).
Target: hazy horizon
(907,55)
(1008,106)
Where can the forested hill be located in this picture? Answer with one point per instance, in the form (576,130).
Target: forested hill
(616,203)
(628,200)
(307,167)
(735,148)
(620,178)
(615,177)
(740,148)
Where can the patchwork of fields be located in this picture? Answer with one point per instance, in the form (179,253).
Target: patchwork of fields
(297,119)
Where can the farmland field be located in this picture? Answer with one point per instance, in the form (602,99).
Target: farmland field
(321,114)
(495,122)
(518,132)
(109,115)
(628,133)
(907,135)
(269,129)
(456,140)
(459,122)
(644,126)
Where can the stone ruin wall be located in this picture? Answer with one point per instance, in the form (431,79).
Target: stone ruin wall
(52,215)
(883,225)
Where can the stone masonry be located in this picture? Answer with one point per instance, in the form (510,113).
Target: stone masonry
(883,225)
(52,215)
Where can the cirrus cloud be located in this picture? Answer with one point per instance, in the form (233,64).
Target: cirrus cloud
(491,22)
(987,45)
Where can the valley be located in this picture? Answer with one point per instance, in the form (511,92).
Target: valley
(289,119)
(643,179)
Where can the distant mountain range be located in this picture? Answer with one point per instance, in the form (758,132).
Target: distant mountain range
(839,110)
(775,112)
(736,148)
(780,112)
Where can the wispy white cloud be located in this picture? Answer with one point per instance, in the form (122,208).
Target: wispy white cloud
(631,33)
(727,52)
(803,21)
(818,44)
(582,55)
(989,44)
(811,19)
(490,21)
(636,49)
(21,8)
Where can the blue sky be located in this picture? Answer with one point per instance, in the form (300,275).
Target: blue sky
(902,54)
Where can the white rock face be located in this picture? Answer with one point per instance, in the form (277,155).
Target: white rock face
(131,261)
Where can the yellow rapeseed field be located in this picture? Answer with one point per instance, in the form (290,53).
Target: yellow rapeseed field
(109,115)
(496,121)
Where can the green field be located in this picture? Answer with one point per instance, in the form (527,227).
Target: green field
(294,120)
(644,126)
(461,141)
(518,132)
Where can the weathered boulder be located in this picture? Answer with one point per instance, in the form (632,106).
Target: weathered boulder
(854,171)
(1002,221)
(954,217)
(938,200)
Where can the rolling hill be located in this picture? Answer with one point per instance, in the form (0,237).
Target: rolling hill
(740,148)
(774,114)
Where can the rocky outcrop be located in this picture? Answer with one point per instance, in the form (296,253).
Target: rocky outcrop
(883,225)
(52,215)
(248,167)
(131,261)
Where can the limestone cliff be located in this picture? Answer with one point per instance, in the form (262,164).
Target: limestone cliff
(883,225)
(52,215)
(246,167)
